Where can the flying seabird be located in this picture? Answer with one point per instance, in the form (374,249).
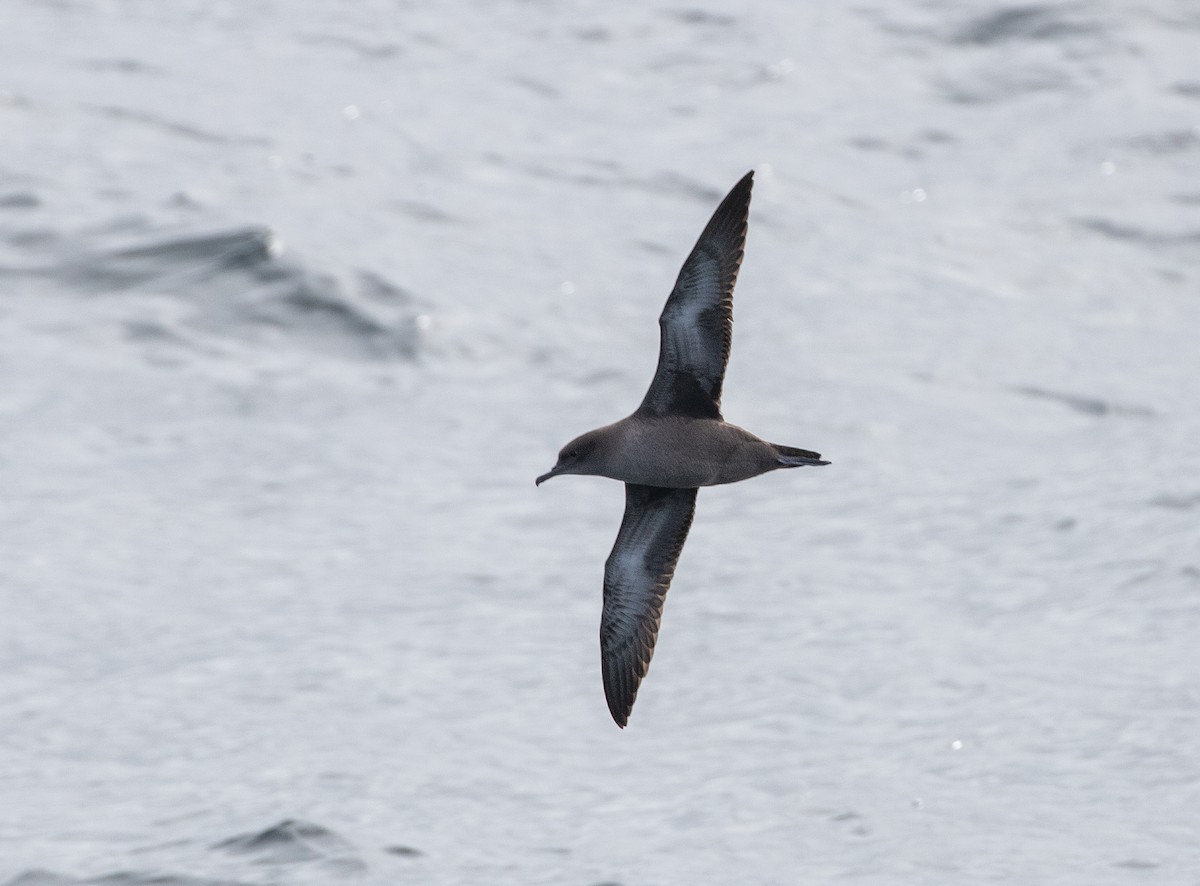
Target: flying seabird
(673,444)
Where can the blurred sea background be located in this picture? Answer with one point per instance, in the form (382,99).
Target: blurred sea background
(297,298)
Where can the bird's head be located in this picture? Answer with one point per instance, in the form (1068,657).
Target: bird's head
(577,457)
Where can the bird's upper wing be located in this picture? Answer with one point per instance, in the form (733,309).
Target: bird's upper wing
(636,578)
(697,323)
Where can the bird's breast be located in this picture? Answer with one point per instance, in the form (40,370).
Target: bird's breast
(686,452)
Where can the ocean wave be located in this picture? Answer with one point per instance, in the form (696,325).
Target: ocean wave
(234,284)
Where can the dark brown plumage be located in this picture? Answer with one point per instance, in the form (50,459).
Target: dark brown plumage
(656,520)
(674,443)
(696,325)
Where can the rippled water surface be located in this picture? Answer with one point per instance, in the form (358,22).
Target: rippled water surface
(296,299)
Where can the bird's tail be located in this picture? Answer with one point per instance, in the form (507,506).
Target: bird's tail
(791,457)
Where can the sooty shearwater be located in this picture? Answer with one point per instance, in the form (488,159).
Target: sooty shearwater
(674,443)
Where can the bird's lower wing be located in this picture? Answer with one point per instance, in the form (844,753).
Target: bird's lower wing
(636,578)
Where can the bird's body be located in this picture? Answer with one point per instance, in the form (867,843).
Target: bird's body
(676,442)
(678,452)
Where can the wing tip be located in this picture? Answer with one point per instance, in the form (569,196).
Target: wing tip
(740,192)
(738,196)
(619,690)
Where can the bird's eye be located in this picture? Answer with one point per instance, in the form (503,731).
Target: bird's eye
(574,453)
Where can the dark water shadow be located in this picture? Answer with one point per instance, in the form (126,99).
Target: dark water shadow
(234,285)
(1094,406)
(117,878)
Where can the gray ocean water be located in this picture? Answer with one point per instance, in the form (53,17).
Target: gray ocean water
(296,299)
